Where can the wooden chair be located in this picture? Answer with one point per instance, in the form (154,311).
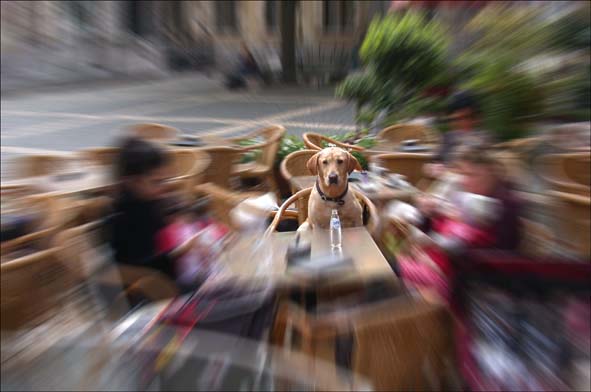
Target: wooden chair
(407,164)
(553,170)
(33,288)
(262,168)
(104,156)
(398,133)
(41,165)
(295,165)
(186,168)
(84,250)
(315,141)
(221,164)
(372,222)
(398,344)
(222,200)
(577,167)
(574,221)
(56,213)
(156,132)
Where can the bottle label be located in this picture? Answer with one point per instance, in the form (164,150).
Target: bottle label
(335,223)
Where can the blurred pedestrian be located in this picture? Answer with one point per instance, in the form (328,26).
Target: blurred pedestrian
(247,71)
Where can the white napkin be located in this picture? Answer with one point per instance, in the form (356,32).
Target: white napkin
(252,213)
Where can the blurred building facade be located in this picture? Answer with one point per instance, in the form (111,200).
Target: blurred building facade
(59,41)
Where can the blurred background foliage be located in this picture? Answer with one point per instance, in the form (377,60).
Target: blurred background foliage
(526,64)
(403,56)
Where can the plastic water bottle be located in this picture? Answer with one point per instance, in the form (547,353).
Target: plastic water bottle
(335,229)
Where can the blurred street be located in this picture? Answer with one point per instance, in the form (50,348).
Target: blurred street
(75,117)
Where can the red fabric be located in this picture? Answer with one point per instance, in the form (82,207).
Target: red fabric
(170,237)
(425,275)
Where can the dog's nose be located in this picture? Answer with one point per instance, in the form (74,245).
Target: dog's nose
(333,178)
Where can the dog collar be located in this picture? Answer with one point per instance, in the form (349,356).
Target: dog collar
(339,200)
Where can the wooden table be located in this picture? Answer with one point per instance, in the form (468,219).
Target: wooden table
(381,195)
(92,179)
(269,264)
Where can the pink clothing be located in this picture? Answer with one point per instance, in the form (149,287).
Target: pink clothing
(196,262)
(426,276)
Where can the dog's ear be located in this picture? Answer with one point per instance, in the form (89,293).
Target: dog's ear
(353,163)
(312,164)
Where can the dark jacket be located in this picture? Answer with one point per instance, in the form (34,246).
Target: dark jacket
(133,227)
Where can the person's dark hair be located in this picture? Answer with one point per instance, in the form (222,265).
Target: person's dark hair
(463,100)
(137,157)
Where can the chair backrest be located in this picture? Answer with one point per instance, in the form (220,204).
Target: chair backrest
(405,344)
(398,133)
(152,131)
(187,167)
(315,141)
(104,156)
(221,201)
(407,164)
(553,169)
(33,288)
(272,135)
(294,164)
(577,167)
(219,170)
(41,165)
(397,344)
(574,226)
(372,222)
(55,213)
(78,247)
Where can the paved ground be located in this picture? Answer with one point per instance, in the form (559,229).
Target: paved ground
(70,118)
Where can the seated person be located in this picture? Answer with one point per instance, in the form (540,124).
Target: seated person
(483,214)
(138,210)
(463,115)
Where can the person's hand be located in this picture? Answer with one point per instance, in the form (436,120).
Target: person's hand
(426,204)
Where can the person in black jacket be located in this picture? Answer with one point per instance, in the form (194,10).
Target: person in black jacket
(139,212)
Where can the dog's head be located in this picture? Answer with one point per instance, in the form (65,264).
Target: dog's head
(332,165)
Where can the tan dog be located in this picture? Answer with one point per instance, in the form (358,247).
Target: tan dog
(333,165)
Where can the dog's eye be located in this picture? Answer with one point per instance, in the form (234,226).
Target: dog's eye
(325,162)
(340,161)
